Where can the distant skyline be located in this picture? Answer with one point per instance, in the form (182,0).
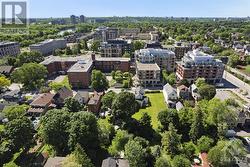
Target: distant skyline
(156,8)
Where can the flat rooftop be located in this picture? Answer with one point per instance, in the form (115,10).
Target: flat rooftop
(122,59)
(52,59)
(81,66)
(147,66)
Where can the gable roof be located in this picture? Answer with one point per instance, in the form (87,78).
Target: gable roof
(6,69)
(182,87)
(169,89)
(109,162)
(42,100)
(64,93)
(94,100)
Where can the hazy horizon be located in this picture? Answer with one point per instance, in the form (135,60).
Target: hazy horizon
(146,8)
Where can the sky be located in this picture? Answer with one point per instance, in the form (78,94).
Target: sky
(162,8)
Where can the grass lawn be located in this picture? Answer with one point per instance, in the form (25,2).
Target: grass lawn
(157,105)
(245,70)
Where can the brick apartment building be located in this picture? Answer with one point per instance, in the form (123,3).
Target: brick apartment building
(9,49)
(57,64)
(165,59)
(115,48)
(79,68)
(196,64)
(181,48)
(47,47)
(80,74)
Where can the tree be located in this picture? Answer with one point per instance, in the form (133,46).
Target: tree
(99,81)
(83,130)
(108,99)
(135,154)
(204,144)
(4,82)
(118,143)
(180,161)
(234,60)
(84,45)
(197,127)
(145,120)
(95,46)
(106,132)
(171,141)
(126,54)
(123,107)
(14,112)
(168,116)
(137,45)
(20,132)
(200,81)
(81,157)
(189,149)
(68,51)
(171,79)
(225,153)
(31,75)
(54,126)
(29,57)
(162,162)
(73,105)
(207,92)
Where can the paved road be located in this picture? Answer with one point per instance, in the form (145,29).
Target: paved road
(239,72)
(238,85)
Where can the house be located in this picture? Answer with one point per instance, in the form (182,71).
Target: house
(170,95)
(41,104)
(179,106)
(94,104)
(6,70)
(82,97)
(62,94)
(114,162)
(183,92)
(140,97)
(4,103)
(54,162)
(194,92)
(12,96)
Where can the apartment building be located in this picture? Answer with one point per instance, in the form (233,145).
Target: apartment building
(47,47)
(106,33)
(80,74)
(181,49)
(115,48)
(148,74)
(9,49)
(129,31)
(165,59)
(110,64)
(196,64)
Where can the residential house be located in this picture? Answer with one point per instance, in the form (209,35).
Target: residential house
(6,70)
(194,92)
(179,106)
(61,95)
(94,104)
(41,104)
(183,92)
(170,95)
(12,96)
(140,97)
(82,97)
(55,162)
(115,162)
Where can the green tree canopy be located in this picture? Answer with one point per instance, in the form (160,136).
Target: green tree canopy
(53,129)
(31,75)
(99,81)
(135,154)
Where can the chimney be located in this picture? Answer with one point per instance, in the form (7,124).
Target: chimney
(93,56)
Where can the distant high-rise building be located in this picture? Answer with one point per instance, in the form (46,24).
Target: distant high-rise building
(82,19)
(73,19)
